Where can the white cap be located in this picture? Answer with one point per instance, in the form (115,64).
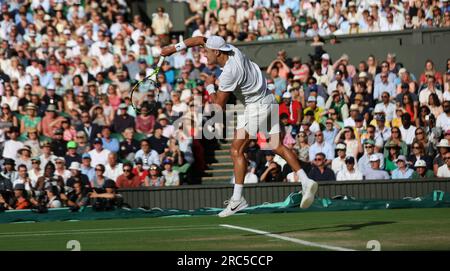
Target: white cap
(362,74)
(47,17)
(271,87)
(351,3)
(374,158)
(341,146)
(217,43)
(377,110)
(312,99)
(60,158)
(443,143)
(287,95)
(103,45)
(66,31)
(402,70)
(326,56)
(75,165)
(401,158)
(420,163)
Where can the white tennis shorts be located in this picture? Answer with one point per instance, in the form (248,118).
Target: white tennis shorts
(260,117)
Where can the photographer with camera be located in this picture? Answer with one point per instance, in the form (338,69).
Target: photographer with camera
(18,202)
(9,171)
(104,199)
(78,197)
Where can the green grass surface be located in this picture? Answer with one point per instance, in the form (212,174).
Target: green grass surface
(399,229)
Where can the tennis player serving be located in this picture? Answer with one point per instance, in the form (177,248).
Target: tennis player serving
(239,73)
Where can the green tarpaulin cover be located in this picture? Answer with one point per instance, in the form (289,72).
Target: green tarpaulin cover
(437,199)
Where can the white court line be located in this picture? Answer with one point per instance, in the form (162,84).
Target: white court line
(290,239)
(103,231)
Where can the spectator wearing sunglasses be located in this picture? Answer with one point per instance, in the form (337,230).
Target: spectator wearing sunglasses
(128,179)
(319,171)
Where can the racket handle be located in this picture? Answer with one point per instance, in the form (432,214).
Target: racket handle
(161,60)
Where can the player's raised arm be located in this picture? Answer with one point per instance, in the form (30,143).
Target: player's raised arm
(187,43)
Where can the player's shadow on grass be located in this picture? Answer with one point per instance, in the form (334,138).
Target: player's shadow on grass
(345,227)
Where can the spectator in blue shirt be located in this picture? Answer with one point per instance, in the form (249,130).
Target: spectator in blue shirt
(402,171)
(384,86)
(321,146)
(109,143)
(86,168)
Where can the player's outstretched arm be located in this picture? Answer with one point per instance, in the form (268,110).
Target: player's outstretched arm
(187,43)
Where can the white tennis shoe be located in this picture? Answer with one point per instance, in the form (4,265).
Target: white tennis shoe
(309,189)
(233,207)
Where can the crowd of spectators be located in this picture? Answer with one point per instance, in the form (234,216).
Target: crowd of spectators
(283,19)
(70,137)
(373,121)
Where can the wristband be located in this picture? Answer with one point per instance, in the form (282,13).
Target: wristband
(180,46)
(210,89)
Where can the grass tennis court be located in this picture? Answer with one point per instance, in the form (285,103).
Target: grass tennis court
(399,229)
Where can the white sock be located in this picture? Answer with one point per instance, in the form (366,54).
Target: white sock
(302,175)
(237,192)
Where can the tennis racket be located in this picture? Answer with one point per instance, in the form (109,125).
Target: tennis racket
(149,82)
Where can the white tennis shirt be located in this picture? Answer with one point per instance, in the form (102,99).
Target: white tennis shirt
(242,74)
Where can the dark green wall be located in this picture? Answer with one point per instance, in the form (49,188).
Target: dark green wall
(198,196)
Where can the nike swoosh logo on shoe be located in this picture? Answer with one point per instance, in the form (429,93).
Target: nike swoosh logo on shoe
(232,209)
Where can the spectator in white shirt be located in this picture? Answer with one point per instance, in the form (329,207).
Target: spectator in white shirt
(389,24)
(407,129)
(386,106)
(99,155)
(431,88)
(444,170)
(106,58)
(12,146)
(338,163)
(112,168)
(349,172)
(443,120)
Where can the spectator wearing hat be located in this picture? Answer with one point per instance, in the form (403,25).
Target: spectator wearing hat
(99,155)
(72,155)
(86,167)
(291,107)
(24,157)
(319,171)
(12,145)
(369,150)
(347,136)
(50,122)
(47,154)
(402,171)
(443,148)
(391,157)
(320,146)
(312,106)
(167,129)
(444,170)
(139,170)
(76,175)
(52,98)
(349,172)
(421,170)
(30,120)
(58,144)
(170,175)
(60,169)
(36,171)
(354,113)
(374,172)
(123,120)
(338,163)
(382,132)
(33,142)
(396,138)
